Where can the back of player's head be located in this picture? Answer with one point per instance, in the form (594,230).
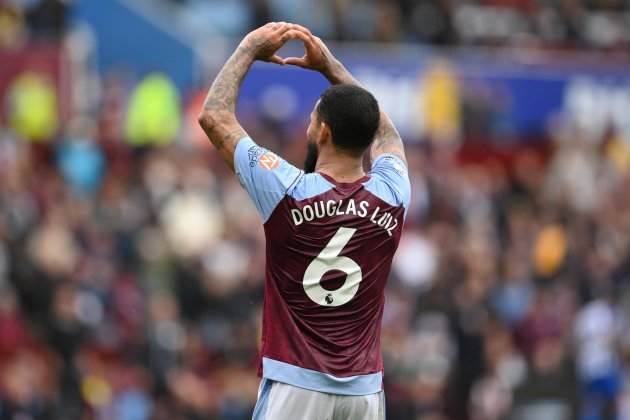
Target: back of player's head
(352,114)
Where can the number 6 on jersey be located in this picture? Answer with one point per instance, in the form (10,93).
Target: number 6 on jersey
(329,260)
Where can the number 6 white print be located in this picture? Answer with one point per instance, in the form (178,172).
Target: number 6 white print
(329,260)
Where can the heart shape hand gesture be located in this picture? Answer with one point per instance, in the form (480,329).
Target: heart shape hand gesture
(265,41)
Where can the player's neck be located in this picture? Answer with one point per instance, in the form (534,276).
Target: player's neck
(341,168)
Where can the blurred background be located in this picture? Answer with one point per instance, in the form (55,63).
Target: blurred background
(131,262)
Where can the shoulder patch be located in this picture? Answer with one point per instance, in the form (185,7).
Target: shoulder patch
(269,161)
(396,165)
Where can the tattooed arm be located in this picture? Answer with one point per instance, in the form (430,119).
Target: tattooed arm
(387,140)
(218,116)
(319,58)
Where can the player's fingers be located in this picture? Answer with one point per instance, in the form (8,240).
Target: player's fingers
(271,28)
(295,61)
(318,41)
(301,28)
(276,59)
(309,44)
(313,39)
(294,34)
(279,31)
(280,27)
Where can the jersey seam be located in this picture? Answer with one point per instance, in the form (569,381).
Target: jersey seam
(254,182)
(300,173)
(379,157)
(284,194)
(294,182)
(394,191)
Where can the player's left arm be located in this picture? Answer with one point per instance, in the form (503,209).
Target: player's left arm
(218,116)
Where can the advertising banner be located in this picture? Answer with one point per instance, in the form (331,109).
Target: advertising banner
(444,95)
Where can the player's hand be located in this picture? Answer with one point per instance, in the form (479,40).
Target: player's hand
(316,56)
(263,42)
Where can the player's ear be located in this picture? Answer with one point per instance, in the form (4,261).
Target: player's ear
(325,135)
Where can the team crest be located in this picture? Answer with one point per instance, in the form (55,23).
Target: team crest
(269,161)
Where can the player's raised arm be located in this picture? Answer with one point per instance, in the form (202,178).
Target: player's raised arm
(319,58)
(218,116)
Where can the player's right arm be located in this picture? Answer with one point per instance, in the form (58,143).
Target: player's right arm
(319,58)
(218,116)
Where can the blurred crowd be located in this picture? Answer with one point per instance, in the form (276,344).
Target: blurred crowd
(521,287)
(22,21)
(132,262)
(132,280)
(573,24)
(598,24)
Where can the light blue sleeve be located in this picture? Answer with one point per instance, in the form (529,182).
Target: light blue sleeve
(392,178)
(266,177)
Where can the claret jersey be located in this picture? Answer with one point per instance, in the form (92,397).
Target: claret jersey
(329,249)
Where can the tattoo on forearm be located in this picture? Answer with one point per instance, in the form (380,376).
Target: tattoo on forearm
(229,138)
(224,91)
(220,103)
(387,139)
(341,75)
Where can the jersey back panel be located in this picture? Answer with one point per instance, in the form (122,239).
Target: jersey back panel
(329,249)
